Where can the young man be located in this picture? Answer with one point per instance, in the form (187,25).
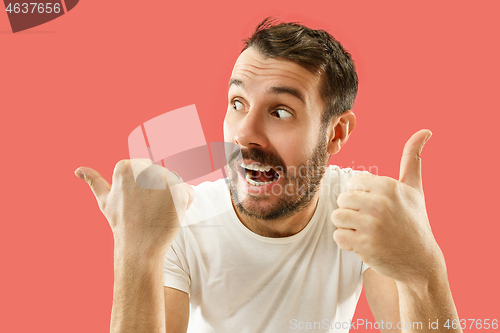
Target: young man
(299,238)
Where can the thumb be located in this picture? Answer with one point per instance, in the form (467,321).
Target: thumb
(409,171)
(99,186)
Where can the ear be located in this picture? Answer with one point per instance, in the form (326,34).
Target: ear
(339,131)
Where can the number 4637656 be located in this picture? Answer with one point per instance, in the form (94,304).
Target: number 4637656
(34,7)
(474,323)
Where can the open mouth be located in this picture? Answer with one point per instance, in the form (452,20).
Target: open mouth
(259,175)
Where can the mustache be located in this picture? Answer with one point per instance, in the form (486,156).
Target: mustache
(258,155)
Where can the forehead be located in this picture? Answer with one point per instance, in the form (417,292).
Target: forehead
(252,67)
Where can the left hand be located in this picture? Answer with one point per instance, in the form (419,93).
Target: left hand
(385,222)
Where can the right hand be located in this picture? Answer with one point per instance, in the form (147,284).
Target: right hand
(142,218)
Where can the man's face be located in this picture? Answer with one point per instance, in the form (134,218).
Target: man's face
(274,116)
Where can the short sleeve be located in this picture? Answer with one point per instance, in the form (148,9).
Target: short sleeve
(175,274)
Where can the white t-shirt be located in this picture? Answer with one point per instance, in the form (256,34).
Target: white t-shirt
(239,281)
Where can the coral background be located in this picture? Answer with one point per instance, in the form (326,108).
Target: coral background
(73,89)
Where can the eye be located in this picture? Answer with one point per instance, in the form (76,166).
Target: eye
(238,106)
(282,113)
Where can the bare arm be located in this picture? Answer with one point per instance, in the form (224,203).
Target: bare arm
(176,310)
(382,296)
(418,304)
(138,300)
(428,302)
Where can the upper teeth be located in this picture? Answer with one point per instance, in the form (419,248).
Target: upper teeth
(255,167)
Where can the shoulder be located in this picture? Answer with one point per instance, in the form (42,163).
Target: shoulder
(337,173)
(211,188)
(205,216)
(336,178)
(211,200)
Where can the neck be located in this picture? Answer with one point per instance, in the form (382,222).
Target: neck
(285,227)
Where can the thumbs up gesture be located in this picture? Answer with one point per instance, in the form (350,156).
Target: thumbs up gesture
(385,221)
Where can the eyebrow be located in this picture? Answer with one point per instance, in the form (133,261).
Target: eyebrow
(274,89)
(288,90)
(236,82)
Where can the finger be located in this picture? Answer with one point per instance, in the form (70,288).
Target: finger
(99,186)
(182,196)
(344,218)
(362,182)
(410,168)
(344,238)
(353,200)
(147,174)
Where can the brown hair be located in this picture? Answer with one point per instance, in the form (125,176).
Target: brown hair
(318,52)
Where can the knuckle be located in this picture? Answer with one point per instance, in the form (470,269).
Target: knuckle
(334,215)
(182,194)
(341,239)
(172,178)
(364,241)
(337,214)
(337,236)
(356,180)
(376,204)
(122,166)
(89,181)
(389,183)
(338,217)
(341,199)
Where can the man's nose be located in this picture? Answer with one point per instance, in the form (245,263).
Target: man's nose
(251,131)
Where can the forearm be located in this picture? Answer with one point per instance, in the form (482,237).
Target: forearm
(430,304)
(138,296)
